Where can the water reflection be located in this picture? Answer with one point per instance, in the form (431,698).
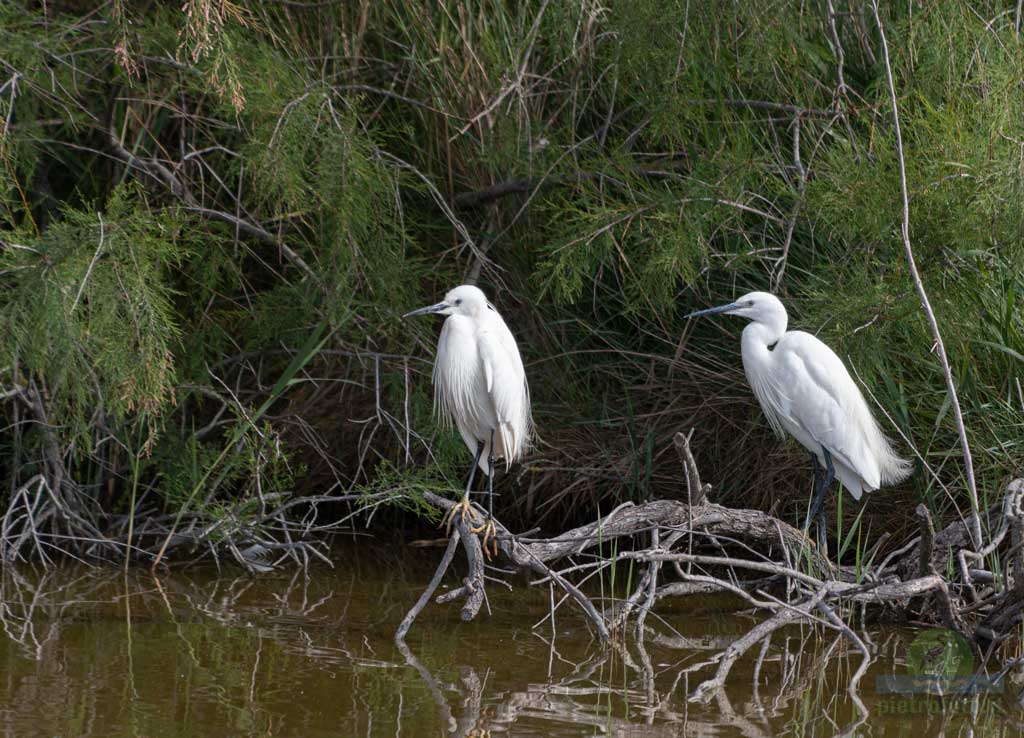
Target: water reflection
(201,652)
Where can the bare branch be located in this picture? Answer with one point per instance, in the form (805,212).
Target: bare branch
(933,324)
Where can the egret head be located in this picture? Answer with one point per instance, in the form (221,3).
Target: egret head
(463,300)
(761,307)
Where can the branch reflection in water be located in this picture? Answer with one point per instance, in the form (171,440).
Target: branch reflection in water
(583,697)
(196,652)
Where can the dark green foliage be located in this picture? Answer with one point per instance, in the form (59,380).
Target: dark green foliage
(187,195)
(88,305)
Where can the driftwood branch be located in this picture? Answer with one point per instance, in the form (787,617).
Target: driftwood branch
(446,561)
(700,548)
(695,492)
(758,633)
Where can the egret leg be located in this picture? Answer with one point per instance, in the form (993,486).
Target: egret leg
(822,480)
(490,477)
(488,528)
(463,508)
(812,511)
(830,475)
(476,465)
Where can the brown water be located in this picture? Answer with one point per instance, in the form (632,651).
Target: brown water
(94,652)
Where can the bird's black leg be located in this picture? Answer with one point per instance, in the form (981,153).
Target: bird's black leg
(489,530)
(823,478)
(463,508)
(490,477)
(815,496)
(826,482)
(472,469)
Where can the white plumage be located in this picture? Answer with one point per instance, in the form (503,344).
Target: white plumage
(805,389)
(479,381)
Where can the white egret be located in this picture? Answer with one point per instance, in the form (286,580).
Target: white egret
(805,389)
(480,387)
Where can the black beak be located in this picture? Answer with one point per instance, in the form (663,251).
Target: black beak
(429,309)
(712,311)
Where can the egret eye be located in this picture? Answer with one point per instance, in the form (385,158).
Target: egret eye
(459,301)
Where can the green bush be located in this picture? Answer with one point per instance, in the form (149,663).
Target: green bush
(188,195)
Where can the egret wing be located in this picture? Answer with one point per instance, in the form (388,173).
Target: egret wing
(506,386)
(826,403)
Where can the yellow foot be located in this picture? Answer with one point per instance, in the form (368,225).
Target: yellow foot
(463,510)
(489,539)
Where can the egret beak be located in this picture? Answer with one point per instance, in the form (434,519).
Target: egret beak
(712,311)
(429,309)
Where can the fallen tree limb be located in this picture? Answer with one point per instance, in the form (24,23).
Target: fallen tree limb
(702,548)
(446,561)
(759,632)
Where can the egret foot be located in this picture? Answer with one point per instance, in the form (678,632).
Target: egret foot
(464,510)
(489,539)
